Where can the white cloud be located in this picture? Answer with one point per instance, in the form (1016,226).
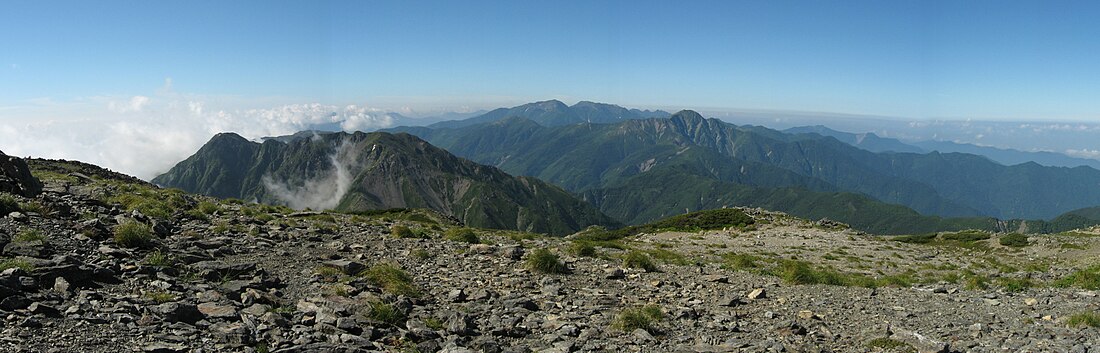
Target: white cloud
(145,136)
(133,105)
(1084,153)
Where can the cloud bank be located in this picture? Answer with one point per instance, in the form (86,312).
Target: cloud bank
(146,135)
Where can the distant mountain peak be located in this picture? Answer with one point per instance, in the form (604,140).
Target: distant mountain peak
(688,116)
(550,104)
(228,136)
(555,113)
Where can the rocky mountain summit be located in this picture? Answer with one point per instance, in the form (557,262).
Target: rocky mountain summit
(102,262)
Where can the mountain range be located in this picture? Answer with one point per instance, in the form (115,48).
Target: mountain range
(556,113)
(631,169)
(1006,156)
(619,165)
(361,171)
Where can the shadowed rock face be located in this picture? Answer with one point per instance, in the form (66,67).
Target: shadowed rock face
(16,178)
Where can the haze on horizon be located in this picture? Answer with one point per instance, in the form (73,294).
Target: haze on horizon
(137,86)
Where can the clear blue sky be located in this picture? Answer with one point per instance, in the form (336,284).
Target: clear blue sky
(916,59)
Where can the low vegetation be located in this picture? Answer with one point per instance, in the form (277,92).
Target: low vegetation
(688,222)
(1014,285)
(8,204)
(1088,278)
(329,273)
(16,263)
(381,312)
(801,272)
(403,232)
(582,249)
(159,258)
(160,297)
(645,318)
(149,201)
(891,345)
(740,261)
(28,235)
(1084,319)
(967,239)
(392,279)
(465,235)
(639,260)
(545,261)
(1015,240)
(132,234)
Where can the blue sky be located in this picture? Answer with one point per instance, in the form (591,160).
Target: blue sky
(137,86)
(988,60)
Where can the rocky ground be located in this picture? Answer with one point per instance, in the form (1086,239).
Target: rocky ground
(227,276)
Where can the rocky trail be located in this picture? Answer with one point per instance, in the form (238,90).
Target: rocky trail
(100,262)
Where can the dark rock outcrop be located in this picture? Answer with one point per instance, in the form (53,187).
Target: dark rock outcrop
(16,178)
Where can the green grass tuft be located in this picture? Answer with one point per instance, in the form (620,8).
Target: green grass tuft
(465,235)
(645,318)
(420,254)
(1088,278)
(28,235)
(403,232)
(8,204)
(688,222)
(132,234)
(974,281)
(329,273)
(889,344)
(582,249)
(544,261)
(1014,285)
(916,239)
(391,278)
(16,263)
(381,312)
(966,236)
(160,297)
(1015,240)
(800,272)
(733,261)
(638,259)
(1089,319)
(159,258)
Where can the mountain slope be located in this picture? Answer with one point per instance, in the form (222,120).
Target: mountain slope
(868,141)
(556,113)
(1009,156)
(354,172)
(874,143)
(584,157)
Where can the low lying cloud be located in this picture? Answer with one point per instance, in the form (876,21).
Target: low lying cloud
(1084,153)
(320,193)
(134,104)
(146,135)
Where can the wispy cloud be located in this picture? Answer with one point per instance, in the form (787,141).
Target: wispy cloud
(324,191)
